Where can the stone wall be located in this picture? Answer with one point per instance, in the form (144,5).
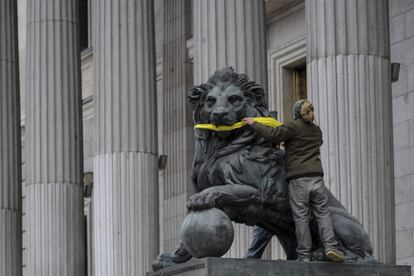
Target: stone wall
(402,42)
(285,27)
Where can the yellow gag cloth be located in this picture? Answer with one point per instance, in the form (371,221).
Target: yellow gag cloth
(267,121)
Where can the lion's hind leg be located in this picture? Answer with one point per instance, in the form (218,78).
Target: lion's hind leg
(352,236)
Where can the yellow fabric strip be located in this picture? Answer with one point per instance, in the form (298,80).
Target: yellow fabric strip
(267,121)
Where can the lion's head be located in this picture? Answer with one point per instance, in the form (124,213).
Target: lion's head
(227,98)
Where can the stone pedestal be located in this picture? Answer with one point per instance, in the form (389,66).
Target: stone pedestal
(230,33)
(250,267)
(125,195)
(54,191)
(10,146)
(349,84)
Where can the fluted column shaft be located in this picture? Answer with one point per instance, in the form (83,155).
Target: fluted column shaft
(10,144)
(55,228)
(125,196)
(230,33)
(178,135)
(349,83)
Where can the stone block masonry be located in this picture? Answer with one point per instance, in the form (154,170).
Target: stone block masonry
(251,267)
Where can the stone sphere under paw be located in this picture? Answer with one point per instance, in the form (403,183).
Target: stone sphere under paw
(207,233)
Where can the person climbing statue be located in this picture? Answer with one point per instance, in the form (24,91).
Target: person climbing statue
(302,139)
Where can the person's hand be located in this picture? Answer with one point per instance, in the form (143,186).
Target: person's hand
(248,120)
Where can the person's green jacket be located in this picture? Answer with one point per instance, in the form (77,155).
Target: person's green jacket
(302,142)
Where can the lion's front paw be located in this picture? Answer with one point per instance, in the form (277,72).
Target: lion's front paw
(202,201)
(162,261)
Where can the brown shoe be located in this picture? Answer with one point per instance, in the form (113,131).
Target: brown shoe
(335,255)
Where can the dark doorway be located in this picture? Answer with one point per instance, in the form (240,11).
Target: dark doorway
(83,24)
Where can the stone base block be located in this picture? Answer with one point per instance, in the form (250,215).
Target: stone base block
(252,267)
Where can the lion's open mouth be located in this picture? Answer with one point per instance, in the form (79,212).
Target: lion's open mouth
(267,121)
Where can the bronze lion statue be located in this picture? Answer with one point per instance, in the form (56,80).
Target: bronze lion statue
(240,173)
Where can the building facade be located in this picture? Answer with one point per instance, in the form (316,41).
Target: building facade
(113,75)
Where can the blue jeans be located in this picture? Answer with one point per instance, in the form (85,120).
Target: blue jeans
(261,238)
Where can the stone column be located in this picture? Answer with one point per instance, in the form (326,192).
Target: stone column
(230,33)
(125,196)
(349,83)
(10,144)
(178,135)
(55,226)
